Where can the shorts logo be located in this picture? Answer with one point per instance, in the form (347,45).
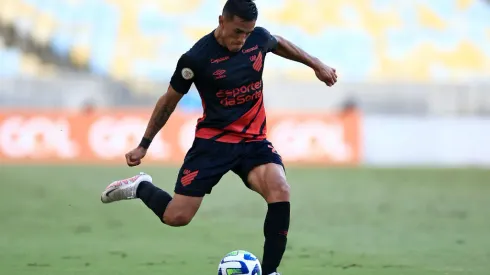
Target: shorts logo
(187,73)
(272,149)
(188,177)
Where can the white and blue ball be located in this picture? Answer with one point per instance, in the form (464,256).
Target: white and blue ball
(239,262)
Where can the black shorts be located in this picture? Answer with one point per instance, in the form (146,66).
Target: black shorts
(208,160)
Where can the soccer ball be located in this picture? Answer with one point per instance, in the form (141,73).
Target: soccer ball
(239,262)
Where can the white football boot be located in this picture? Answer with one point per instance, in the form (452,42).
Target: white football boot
(274,273)
(124,189)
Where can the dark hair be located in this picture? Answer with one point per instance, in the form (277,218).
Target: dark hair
(245,9)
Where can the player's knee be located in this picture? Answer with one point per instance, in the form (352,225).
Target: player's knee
(181,210)
(280,191)
(177,219)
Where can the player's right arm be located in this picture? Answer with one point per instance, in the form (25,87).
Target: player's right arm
(164,107)
(180,84)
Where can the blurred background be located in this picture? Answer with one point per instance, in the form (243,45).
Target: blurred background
(418,71)
(414,57)
(79,79)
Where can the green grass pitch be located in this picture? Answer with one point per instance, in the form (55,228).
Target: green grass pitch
(344,221)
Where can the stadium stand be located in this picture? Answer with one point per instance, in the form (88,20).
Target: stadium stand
(369,40)
(15,62)
(10,62)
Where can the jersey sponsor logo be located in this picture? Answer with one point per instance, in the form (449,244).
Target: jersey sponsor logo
(218,60)
(187,73)
(256,47)
(240,95)
(219,74)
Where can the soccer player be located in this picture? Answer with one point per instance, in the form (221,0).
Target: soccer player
(226,67)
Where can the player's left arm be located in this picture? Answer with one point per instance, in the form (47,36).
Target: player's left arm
(289,50)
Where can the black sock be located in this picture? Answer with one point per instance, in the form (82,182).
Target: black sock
(155,198)
(276,228)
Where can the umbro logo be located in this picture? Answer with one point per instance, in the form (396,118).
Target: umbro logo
(219,74)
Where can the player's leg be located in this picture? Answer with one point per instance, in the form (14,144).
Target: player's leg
(204,165)
(263,172)
(269,181)
(176,211)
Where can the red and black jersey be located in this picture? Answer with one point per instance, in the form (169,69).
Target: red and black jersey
(230,86)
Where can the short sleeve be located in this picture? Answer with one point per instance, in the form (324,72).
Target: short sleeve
(270,40)
(184,74)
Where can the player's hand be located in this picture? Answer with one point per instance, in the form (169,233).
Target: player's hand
(326,74)
(134,157)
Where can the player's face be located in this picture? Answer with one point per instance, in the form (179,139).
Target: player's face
(235,32)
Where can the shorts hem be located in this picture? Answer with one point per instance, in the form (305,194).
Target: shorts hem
(195,194)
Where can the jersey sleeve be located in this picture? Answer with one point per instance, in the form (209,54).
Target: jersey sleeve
(184,74)
(270,40)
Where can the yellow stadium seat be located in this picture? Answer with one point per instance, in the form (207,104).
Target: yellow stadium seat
(30,64)
(178,7)
(8,11)
(429,19)
(43,28)
(80,54)
(464,4)
(466,56)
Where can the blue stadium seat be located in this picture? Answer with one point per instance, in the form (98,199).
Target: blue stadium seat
(62,42)
(151,22)
(102,51)
(10,65)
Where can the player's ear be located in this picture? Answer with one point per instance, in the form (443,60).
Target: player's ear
(220,20)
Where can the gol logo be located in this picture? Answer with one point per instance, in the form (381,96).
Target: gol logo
(37,137)
(111,137)
(312,139)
